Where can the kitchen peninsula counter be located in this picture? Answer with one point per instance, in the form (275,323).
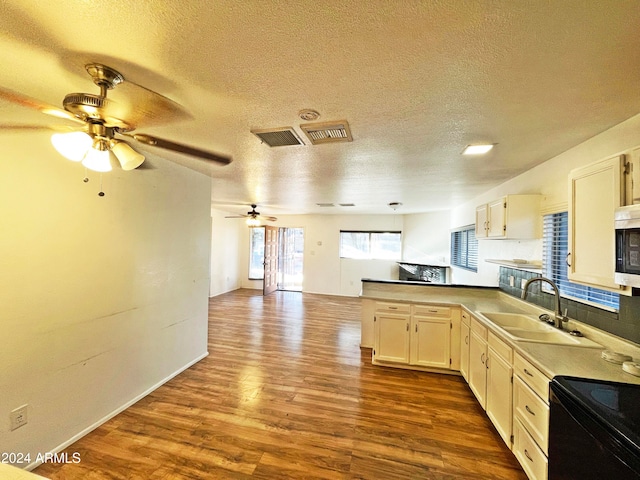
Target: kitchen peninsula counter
(551,359)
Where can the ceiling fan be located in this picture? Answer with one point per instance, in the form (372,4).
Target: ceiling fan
(252,217)
(102,125)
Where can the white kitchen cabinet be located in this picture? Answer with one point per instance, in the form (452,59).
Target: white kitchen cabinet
(417,335)
(465,337)
(511,216)
(530,418)
(595,191)
(431,336)
(500,386)
(478,361)
(368,312)
(392,337)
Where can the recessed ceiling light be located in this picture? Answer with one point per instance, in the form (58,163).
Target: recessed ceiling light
(477,149)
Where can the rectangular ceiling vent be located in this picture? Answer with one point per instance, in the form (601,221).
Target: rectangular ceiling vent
(327,132)
(278,137)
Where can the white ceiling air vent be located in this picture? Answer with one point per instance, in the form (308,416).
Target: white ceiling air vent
(327,132)
(278,137)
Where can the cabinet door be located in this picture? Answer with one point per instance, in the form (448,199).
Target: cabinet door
(465,337)
(391,338)
(497,219)
(477,367)
(482,221)
(500,394)
(594,192)
(430,341)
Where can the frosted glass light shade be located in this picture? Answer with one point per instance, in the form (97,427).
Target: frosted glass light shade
(253,222)
(127,156)
(97,160)
(72,145)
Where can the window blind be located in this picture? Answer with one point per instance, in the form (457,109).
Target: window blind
(464,248)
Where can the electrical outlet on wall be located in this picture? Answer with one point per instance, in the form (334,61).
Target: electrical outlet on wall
(18,417)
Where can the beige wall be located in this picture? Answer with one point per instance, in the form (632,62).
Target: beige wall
(103,298)
(548,179)
(227,241)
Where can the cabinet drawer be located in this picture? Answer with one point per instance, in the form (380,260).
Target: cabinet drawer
(501,348)
(466,318)
(533,460)
(432,311)
(393,307)
(532,412)
(533,377)
(478,328)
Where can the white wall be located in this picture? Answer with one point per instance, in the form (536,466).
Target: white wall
(227,240)
(324,271)
(426,238)
(103,298)
(548,179)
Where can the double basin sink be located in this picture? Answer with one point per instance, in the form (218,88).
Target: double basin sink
(529,328)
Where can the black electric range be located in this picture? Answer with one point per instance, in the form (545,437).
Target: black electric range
(594,429)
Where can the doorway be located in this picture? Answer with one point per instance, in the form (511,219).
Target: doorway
(290,259)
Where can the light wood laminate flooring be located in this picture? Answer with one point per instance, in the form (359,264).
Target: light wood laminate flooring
(286,392)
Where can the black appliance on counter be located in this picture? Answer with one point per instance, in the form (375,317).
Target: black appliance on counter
(594,429)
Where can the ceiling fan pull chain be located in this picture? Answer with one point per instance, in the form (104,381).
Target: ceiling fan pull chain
(101,193)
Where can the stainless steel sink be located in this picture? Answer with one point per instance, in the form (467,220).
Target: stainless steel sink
(528,328)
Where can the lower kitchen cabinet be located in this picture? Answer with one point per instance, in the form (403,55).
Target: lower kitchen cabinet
(465,337)
(414,335)
(500,386)
(478,362)
(391,333)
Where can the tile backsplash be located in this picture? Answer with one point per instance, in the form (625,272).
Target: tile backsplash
(625,323)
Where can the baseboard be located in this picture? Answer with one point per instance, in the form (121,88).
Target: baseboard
(222,293)
(120,409)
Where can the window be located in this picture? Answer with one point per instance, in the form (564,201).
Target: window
(256,255)
(464,248)
(554,255)
(370,245)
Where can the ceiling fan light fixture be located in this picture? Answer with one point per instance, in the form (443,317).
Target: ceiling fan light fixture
(98,157)
(253,222)
(479,149)
(129,159)
(72,145)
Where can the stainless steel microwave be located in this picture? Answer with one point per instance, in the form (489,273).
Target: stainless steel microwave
(627,225)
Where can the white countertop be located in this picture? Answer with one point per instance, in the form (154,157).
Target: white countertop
(551,359)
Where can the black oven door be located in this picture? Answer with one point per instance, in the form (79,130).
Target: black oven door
(593,430)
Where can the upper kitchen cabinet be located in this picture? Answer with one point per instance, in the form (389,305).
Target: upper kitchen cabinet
(512,216)
(595,191)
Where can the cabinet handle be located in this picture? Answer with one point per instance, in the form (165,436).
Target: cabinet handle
(407,327)
(466,340)
(528,372)
(482,358)
(526,407)
(416,328)
(393,308)
(567,260)
(486,364)
(433,311)
(526,454)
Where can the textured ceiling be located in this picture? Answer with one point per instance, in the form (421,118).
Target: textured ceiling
(417,81)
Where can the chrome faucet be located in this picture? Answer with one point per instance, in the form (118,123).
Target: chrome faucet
(559,317)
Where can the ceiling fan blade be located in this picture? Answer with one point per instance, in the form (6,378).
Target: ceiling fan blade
(180,148)
(28,102)
(236,216)
(31,128)
(270,219)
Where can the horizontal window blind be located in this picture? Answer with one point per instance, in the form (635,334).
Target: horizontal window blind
(555,248)
(464,248)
